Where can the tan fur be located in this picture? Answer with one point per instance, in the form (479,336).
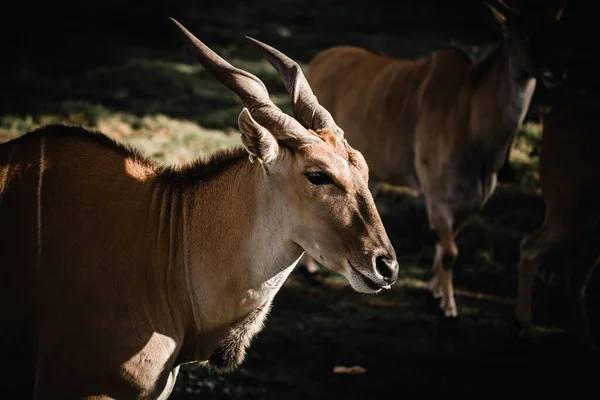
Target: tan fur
(116,270)
(441,125)
(569,175)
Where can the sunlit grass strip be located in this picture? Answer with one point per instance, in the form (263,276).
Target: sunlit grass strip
(168,140)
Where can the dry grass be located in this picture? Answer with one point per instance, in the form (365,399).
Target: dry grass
(168,140)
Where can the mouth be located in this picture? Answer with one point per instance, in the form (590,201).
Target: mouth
(369,282)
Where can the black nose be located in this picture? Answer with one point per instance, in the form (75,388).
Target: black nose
(388,268)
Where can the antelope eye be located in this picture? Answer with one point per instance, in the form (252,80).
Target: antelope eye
(318,178)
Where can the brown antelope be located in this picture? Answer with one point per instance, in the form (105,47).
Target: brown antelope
(441,125)
(569,176)
(117,270)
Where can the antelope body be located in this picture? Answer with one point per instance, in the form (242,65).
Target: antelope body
(441,125)
(569,176)
(116,270)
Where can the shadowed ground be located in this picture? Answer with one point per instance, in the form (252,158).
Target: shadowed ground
(146,90)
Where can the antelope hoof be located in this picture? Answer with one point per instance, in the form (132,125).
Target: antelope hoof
(449,311)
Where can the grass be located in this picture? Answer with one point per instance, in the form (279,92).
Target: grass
(157,99)
(168,140)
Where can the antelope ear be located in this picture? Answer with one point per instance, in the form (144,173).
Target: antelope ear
(498,17)
(257,140)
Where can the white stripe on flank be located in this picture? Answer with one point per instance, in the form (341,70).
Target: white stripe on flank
(39,200)
(426,80)
(7,173)
(188,271)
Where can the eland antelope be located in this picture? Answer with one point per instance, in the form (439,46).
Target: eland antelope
(569,176)
(441,125)
(116,270)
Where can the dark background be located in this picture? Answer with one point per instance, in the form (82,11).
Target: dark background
(60,35)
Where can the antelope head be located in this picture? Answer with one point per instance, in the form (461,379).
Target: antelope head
(320,181)
(534,31)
